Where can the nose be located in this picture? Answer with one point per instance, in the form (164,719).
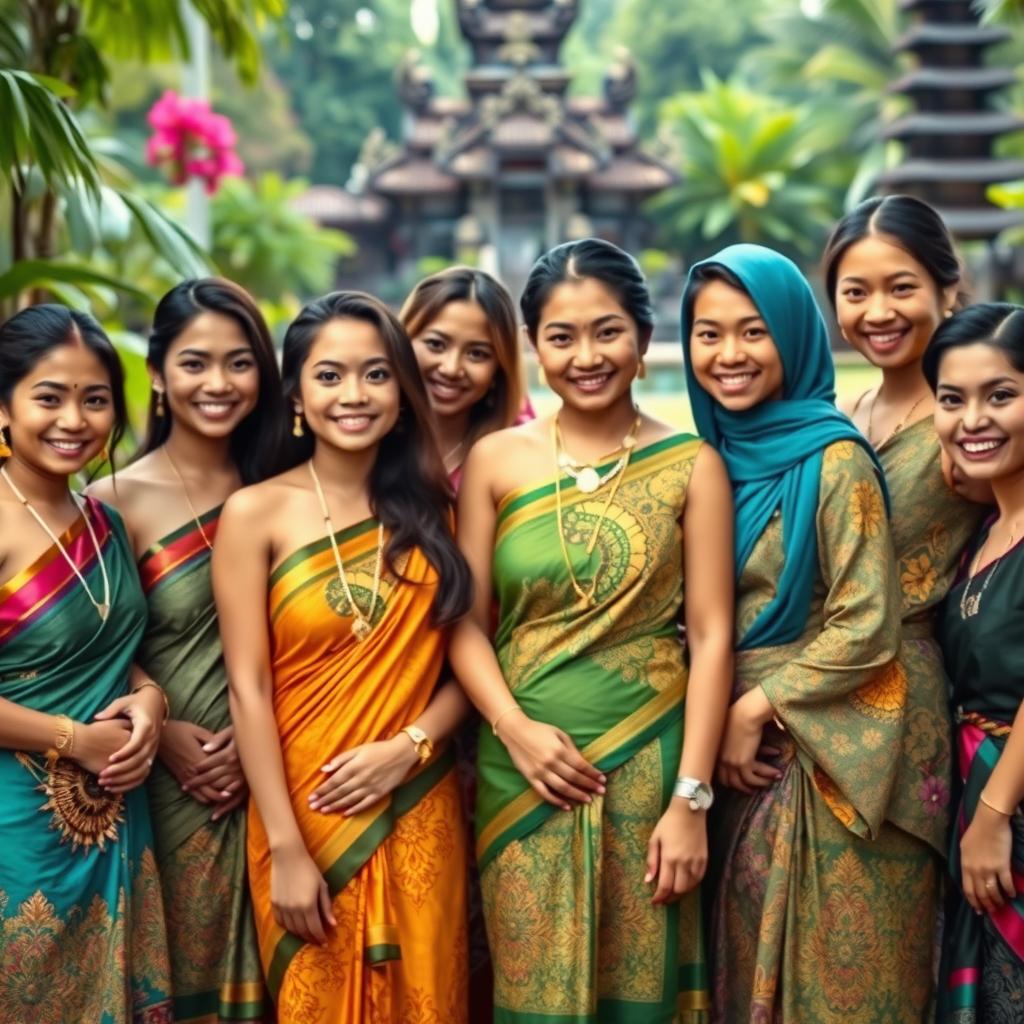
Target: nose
(71,417)
(352,391)
(216,379)
(975,416)
(879,309)
(587,354)
(450,364)
(731,352)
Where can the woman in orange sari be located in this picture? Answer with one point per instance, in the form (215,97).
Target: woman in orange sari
(334,645)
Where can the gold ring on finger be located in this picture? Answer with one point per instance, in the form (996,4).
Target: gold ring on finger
(990,884)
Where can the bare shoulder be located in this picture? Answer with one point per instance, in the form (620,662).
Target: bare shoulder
(854,406)
(654,430)
(125,488)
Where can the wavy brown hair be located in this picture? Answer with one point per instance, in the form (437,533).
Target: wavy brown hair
(502,405)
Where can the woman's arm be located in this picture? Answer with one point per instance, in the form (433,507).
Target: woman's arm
(241,568)
(677,851)
(546,756)
(987,844)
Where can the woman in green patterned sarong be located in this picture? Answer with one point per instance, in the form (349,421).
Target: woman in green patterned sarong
(589,845)
(81,923)
(216,421)
(821,908)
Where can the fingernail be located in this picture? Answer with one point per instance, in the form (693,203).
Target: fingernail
(647,878)
(207,747)
(589,800)
(326,768)
(604,778)
(601,790)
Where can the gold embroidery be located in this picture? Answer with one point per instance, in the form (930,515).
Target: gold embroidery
(884,696)
(866,509)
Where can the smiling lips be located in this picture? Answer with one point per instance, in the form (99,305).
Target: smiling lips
(735,382)
(62,446)
(445,390)
(216,410)
(590,383)
(885,341)
(978,449)
(354,424)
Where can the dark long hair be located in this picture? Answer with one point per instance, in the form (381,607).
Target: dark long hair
(999,324)
(409,489)
(912,224)
(500,408)
(588,257)
(37,330)
(258,442)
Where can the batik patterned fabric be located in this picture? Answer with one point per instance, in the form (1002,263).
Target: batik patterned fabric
(397,871)
(82,934)
(824,911)
(572,929)
(982,979)
(930,527)
(215,965)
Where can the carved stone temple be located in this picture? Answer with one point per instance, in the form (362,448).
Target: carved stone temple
(510,169)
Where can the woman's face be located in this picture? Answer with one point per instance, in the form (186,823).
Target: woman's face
(979,412)
(210,377)
(349,393)
(733,356)
(588,345)
(457,358)
(887,304)
(61,412)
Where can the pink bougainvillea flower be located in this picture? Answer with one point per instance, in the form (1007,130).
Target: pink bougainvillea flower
(189,140)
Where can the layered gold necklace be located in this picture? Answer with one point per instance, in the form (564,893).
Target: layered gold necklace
(102,607)
(588,480)
(362,625)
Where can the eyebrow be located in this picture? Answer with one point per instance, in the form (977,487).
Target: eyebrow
(597,323)
(995,382)
(853,279)
(448,337)
(714,323)
(56,386)
(336,365)
(204,354)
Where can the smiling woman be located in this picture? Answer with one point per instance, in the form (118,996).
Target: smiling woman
(976,366)
(79,896)
(335,581)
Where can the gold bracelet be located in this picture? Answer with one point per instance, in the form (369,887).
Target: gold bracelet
(501,715)
(64,742)
(992,807)
(160,690)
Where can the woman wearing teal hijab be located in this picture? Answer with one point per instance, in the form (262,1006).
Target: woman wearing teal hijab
(815,908)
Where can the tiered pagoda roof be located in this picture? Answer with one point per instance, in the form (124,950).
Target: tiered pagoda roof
(948,139)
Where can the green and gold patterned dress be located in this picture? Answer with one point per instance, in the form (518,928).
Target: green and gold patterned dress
(572,929)
(824,910)
(930,527)
(215,966)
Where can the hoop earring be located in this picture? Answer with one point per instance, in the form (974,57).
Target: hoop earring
(297,430)
(160,410)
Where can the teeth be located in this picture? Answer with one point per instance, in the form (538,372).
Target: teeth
(353,421)
(736,378)
(68,446)
(885,339)
(214,407)
(976,447)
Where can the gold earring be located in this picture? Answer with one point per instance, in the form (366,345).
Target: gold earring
(948,313)
(5,448)
(641,371)
(105,453)
(297,430)
(541,378)
(159,403)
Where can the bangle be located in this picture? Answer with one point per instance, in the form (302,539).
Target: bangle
(501,715)
(159,689)
(992,807)
(64,742)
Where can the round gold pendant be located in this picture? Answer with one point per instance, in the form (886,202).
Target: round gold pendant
(588,480)
(361,629)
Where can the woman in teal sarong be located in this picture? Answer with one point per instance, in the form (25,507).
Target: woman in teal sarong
(81,922)
(976,365)
(216,421)
(591,804)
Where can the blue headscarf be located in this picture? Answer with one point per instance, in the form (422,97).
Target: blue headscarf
(773,452)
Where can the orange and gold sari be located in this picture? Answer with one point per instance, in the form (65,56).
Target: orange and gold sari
(396,872)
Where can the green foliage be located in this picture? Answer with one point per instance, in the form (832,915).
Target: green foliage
(266,246)
(748,171)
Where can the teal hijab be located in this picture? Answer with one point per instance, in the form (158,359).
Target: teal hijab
(773,452)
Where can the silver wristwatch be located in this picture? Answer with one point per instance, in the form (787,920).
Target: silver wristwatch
(699,793)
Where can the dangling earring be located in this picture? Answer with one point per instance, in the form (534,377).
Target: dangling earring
(105,453)
(159,403)
(297,430)
(5,448)
(641,370)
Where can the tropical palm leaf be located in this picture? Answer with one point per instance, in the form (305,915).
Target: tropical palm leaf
(60,275)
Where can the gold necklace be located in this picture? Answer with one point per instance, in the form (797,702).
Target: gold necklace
(617,473)
(362,625)
(970,604)
(895,430)
(102,607)
(191,507)
(585,475)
